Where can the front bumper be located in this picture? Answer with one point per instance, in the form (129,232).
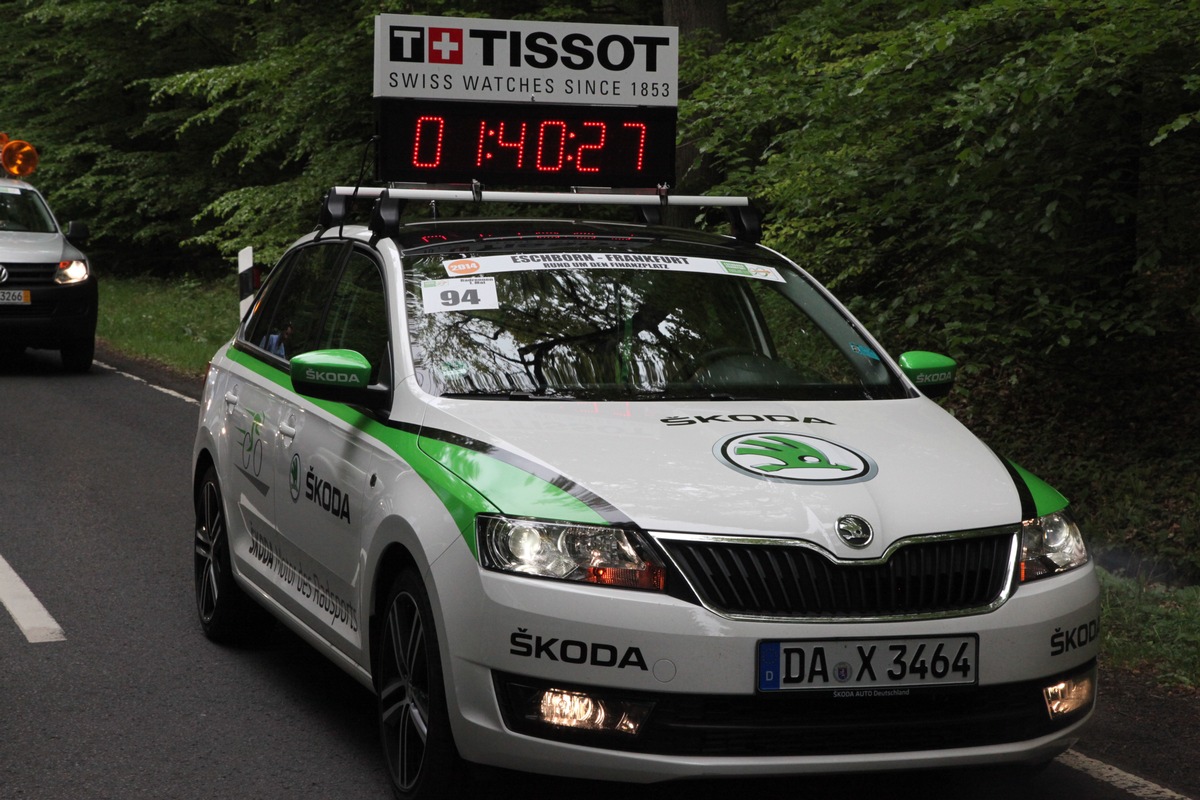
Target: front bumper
(810,724)
(506,637)
(55,316)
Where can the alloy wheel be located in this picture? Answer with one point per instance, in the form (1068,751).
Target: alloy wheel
(210,539)
(404,698)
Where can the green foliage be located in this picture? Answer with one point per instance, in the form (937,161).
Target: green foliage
(293,114)
(1013,175)
(1153,628)
(179,322)
(1116,434)
(107,156)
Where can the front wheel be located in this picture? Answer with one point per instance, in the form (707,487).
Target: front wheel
(414,726)
(225,611)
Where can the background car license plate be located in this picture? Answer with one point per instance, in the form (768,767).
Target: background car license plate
(14,296)
(868,663)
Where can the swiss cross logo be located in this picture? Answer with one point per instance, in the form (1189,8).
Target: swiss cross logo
(445,46)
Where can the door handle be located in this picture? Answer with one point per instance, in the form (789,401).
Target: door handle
(287,429)
(231,398)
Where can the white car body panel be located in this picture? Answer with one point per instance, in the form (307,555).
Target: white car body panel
(665,477)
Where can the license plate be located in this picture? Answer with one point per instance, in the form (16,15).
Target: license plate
(14,296)
(868,664)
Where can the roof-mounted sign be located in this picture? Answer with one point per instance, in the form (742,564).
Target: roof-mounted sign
(525,103)
(488,60)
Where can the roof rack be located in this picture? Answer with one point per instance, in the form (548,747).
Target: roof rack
(744,218)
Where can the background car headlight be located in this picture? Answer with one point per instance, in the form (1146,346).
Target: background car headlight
(1051,545)
(71,271)
(567,551)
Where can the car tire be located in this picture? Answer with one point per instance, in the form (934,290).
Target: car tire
(225,612)
(414,725)
(77,355)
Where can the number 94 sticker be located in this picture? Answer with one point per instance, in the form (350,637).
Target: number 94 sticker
(459,294)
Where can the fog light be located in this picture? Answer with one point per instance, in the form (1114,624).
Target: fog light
(1070,695)
(584,712)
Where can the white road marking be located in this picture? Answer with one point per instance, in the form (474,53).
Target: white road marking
(162,389)
(30,615)
(1130,784)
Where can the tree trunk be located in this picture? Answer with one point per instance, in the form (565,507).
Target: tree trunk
(709,19)
(691,16)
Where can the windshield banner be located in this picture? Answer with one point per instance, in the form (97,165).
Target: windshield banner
(519,262)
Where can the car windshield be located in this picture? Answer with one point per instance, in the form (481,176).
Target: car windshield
(615,326)
(24,212)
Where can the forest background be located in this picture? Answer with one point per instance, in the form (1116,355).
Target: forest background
(1015,183)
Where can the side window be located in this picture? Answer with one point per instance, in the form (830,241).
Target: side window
(265,302)
(290,321)
(357,317)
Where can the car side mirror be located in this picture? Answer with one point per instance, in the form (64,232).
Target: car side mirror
(343,376)
(77,231)
(933,373)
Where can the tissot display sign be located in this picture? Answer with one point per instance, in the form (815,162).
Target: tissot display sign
(525,103)
(451,58)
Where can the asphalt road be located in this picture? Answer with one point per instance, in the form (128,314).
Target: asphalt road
(133,702)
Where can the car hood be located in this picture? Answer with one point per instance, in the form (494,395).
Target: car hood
(771,469)
(36,248)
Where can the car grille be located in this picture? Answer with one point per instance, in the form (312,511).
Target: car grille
(21,312)
(929,576)
(25,275)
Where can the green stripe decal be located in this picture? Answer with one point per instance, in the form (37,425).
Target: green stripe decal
(468,482)
(1046,498)
(510,488)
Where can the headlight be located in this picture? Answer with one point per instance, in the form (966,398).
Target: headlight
(570,552)
(1050,545)
(71,271)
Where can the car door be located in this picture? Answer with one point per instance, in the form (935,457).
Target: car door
(252,403)
(328,462)
(285,322)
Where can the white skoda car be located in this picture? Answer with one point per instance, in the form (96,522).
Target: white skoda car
(626,502)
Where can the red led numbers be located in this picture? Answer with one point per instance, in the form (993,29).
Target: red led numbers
(427,142)
(640,127)
(507,143)
(602,129)
(558,146)
(514,141)
(549,157)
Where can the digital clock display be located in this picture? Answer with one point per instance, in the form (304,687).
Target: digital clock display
(530,144)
